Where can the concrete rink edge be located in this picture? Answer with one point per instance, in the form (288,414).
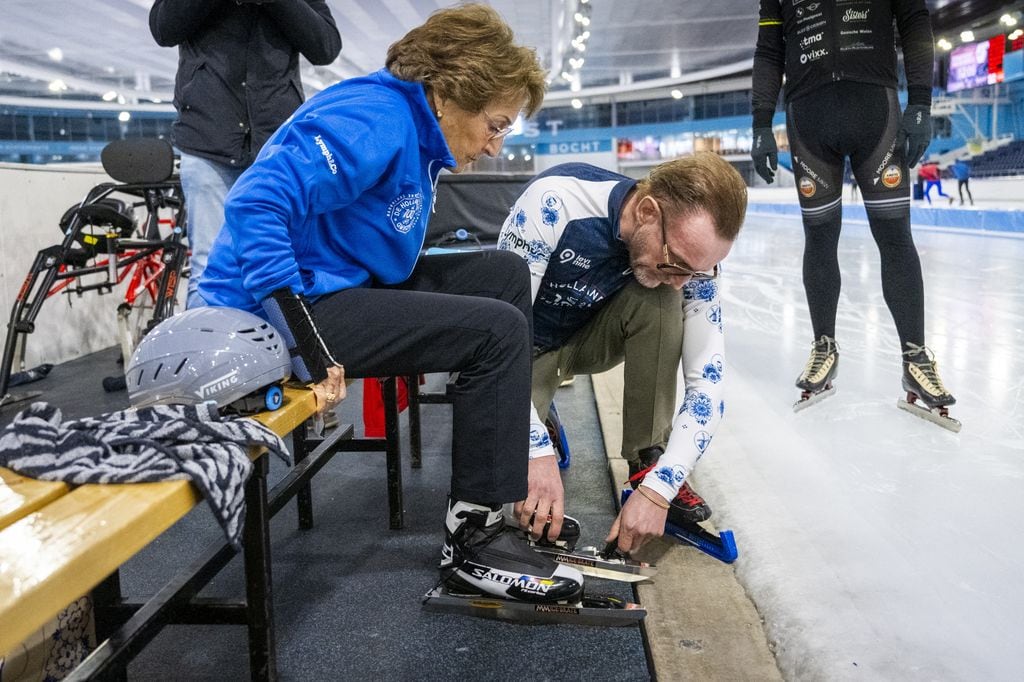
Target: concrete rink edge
(701,624)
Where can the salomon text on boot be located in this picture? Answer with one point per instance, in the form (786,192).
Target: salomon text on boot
(926,397)
(815,382)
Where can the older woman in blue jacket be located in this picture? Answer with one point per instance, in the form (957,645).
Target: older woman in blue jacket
(323,235)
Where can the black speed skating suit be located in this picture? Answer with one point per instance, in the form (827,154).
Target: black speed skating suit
(839,59)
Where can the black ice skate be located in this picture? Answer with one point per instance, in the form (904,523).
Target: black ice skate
(926,396)
(686,512)
(687,506)
(815,382)
(606,563)
(489,570)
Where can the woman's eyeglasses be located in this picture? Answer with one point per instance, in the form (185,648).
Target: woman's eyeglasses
(678,269)
(495,130)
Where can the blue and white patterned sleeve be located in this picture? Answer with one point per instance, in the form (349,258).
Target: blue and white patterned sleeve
(703,402)
(532,230)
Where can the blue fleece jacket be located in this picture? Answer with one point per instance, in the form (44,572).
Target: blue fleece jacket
(338,197)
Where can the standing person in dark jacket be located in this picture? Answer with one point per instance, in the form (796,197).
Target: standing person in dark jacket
(238,80)
(839,60)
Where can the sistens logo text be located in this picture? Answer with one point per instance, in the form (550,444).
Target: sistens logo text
(855,15)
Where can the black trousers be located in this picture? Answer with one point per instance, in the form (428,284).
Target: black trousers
(467,313)
(859,121)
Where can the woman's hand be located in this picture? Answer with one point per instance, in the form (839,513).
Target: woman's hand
(331,390)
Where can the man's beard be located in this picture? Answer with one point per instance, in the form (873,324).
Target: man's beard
(645,277)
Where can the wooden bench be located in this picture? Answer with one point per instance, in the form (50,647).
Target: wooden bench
(58,542)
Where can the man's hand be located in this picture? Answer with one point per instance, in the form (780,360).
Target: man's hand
(765,154)
(545,501)
(915,132)
(639,521)
(331,390)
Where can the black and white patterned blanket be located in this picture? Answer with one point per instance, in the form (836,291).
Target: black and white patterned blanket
(159,443)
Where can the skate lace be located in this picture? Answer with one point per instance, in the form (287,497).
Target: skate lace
(928,367)
(687,498)
(820,352)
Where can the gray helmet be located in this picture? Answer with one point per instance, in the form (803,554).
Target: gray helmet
(204,354)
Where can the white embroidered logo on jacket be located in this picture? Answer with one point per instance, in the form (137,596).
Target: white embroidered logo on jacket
(405,210)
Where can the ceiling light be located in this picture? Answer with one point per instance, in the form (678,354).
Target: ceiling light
(586,21)
(109,96)
(1008,20)
(676,93)
(121,99)
(578,17)
(1016,34)
(526,157)
(945,44)
(575,85)
(577,103)
(57,86)
(124,117)
(56,54)
(967,36)
(511,157)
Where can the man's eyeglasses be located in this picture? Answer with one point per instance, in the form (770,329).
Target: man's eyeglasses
(678,269)
(495,130)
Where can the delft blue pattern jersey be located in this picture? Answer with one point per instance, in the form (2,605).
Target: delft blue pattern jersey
(703,403)
(566,226)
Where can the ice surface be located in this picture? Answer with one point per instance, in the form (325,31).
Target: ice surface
(877,545)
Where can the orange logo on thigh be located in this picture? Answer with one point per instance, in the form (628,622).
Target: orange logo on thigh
(807,187)
(892,176)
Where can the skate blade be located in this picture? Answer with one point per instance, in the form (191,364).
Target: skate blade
(12,398)
(804,403)
(524,613)
(588,561)
(947,423)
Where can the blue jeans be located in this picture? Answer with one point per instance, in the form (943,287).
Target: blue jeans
(205,184)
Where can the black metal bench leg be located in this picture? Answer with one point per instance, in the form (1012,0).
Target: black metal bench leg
(108,593)
(304,497)
(392,450)
(415,437)
(258,581)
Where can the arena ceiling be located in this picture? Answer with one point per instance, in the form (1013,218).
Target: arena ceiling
(97,47)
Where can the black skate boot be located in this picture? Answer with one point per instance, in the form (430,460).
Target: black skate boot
(922,383)
(687,506)
(483,557)
(815,382)
(566,540)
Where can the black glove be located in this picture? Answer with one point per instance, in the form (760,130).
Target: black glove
(293,318)
(765,154)
(915,132)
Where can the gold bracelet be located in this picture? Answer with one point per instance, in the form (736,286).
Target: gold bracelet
(653,497)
